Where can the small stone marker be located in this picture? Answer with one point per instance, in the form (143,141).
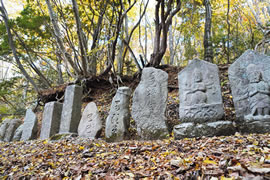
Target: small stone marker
(201,107)
(117,123)
(149,104)
(3,128)
(71,113)
(90,124)
(18,133)
(249,77)
(29,126)
(51,119)
(12,126)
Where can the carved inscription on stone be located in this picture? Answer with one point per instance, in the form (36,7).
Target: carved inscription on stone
(200,93)
(149,104)
(117,123)
(90,124)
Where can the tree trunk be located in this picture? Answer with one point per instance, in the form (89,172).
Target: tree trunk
(65,54)
(120,19)
(13,48)
(120,57)
(82,40)
(208,49)
(229,32)
(43,79)
(92,67)
(171,47)
(145,38)
(163,19)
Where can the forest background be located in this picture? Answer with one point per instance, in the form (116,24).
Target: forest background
(47,43)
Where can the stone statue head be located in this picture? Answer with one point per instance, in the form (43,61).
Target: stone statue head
(197,76)
(253,73)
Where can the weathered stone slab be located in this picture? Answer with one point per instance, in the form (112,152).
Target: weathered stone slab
(117,123)
(29,126)
(90,124)
(149,104)
(249,72)
(3,128)
(249,78)
(190,130)
(200,93)
(18,133)
(71,113)
(51,119)
(12,126)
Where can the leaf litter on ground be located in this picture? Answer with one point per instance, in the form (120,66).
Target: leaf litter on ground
(225,157)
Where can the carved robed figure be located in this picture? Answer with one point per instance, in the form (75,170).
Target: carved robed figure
(249,78)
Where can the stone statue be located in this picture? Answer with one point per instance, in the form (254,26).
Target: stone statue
(200,94)
(200,109)
(198,89)
(249,79)
(258,92)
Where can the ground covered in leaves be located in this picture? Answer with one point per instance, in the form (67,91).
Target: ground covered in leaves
(233,157)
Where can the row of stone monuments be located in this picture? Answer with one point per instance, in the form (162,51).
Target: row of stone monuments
(201,109)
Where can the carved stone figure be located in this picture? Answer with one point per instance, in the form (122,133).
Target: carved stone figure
(198,89)
(201,107)
(199,93)
(258,92)
(249,78)
(117,123)
(149,104)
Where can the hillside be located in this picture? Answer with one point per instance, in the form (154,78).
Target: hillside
(233,157)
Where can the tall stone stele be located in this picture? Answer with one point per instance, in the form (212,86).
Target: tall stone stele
(51,119)
(71,113)
(118,121)
(249,78)
(29,128)
(149,104)
(90,124)
(201,108)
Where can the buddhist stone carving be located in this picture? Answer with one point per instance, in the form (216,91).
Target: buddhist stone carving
(201,108)
(249,78)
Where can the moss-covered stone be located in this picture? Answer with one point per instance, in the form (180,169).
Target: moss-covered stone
(63,136)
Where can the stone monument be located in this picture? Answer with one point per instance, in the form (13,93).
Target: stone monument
(29,131)
(71,113)
(3,128)
(149,104)
(201,108)
(18,133)
(11,128)
(51,119)
(90,125)
(118,121)
(249,77)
